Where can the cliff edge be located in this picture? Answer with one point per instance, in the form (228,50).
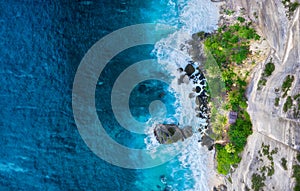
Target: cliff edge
(273,102)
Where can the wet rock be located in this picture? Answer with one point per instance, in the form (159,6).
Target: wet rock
(189,69)
(180,69)
(202,82)
(198,89)
(207,141)
(171,133)
(221,187)
(200,100)
(180,80)
(191,95)
(186,79)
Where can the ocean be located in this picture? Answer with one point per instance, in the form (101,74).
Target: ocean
(42,45)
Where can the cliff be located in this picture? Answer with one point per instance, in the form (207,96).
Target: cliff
(274,109)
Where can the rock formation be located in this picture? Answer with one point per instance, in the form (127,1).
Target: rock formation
(171,133)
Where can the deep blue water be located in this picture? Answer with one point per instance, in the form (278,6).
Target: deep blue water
(41,46)
(42,43)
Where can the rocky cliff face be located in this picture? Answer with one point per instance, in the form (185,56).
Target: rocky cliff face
(275,123)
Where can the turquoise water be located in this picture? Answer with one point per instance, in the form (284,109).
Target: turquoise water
(42,44)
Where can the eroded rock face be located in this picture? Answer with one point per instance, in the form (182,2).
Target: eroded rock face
(271,124)
(171,133)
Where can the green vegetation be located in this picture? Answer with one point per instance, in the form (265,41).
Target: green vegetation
(296,175)
(229,45)
(297,106)
(225,159)
(269,69)
(290,7)
(230,148)
(229,12)
(239,131)
(257,182)
(229,179)
(287,84)
(298,157)
(284,163)
(288,104)
(277,101)
(241,19)
(265,171)
(296,96)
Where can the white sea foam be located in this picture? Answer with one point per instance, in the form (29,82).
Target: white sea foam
(194,16)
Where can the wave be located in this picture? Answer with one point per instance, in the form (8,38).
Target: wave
(172,53)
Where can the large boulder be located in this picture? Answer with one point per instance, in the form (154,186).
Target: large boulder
(189,69)
(171,133)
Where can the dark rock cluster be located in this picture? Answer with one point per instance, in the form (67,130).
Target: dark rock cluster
(171,133)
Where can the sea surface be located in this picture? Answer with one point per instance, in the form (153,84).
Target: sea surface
(41,46)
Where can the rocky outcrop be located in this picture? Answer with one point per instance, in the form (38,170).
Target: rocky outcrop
(171,133)
(272,125)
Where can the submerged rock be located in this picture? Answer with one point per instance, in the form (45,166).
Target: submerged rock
(171,133)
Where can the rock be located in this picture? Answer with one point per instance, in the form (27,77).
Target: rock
(187,131)
(186,79)
(207,141)
(189,69)
(200,100)
(180,69)
(171,133)
(221,187)
(180,80)
(191,95)
(202,82)
(198,89)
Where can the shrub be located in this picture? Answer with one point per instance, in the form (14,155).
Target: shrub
(296,175)
(239,131)
(293,6)
(277,101)
(257,182)
(283,163)
(288,104)
(298,157)
(241,19)
(225,159)
(269,68)
(287,83)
